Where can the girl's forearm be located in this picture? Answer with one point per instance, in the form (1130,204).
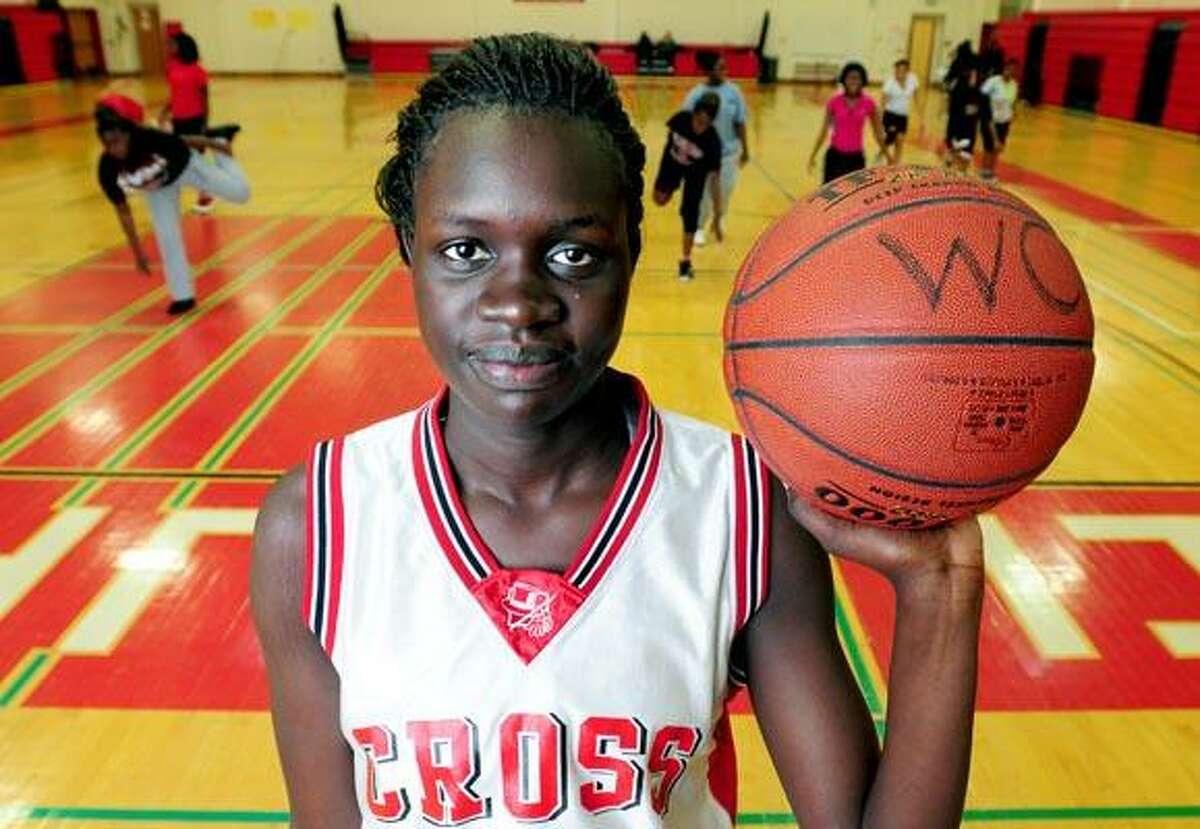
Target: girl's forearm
(922,776)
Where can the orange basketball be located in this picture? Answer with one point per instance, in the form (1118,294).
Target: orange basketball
(907,346)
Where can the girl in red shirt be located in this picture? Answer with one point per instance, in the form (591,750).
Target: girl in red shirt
(187,109)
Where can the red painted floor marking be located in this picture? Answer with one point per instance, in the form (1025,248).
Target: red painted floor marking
(317,251)
(382,244)
(204,236)
(390,304)
(125,404)
(46,390)
(19,351)
(27,508)
(353,382)
(54,602)
(44,124)
(82,297)
(264,246)
(206,283)
(1110,588)
(1180,245)
(185,441)
(193,647)
(324,302)
(225,494)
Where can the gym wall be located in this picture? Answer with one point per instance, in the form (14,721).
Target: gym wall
(298,35)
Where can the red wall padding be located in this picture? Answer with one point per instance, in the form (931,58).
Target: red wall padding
(413,56)
(1183,98)
(1121,40)
(35,31)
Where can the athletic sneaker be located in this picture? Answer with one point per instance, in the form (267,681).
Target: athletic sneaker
(204,204)
(225,132)
(685,270)
(181,306)
(699,238)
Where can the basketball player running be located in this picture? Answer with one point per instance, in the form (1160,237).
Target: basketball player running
(731,128)
(692,157)
(846,114)
(897,93)
(529,599)
(968,107)
(1001,91)
(186,111)
(158,165)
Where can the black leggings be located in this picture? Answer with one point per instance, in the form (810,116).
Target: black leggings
(837,164)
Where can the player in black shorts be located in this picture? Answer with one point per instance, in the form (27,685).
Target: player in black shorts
(968,107)
(691,157)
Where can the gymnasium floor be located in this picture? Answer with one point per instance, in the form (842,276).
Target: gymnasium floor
(134,449)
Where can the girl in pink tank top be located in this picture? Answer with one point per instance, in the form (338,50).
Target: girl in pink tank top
(845,116)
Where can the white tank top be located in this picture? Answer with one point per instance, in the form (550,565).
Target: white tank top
(591,698)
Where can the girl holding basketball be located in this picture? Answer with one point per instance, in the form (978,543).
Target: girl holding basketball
(432,593)
(846,115)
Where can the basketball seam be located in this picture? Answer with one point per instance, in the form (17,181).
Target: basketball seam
(906,339)
(1020,478)
(743,297)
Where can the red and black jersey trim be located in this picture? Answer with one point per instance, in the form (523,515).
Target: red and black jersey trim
(325,547)
(751,543)
(625,502)
(466,550)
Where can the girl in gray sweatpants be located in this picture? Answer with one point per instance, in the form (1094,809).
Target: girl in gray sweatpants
(159,165)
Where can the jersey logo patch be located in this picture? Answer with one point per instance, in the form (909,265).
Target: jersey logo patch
(529,609)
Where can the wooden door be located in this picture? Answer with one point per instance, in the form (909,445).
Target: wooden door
(151,45)
(81,27)
(922,40)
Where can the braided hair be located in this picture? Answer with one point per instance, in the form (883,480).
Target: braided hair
(526,74)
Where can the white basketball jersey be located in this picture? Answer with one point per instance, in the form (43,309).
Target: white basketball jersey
(591,698)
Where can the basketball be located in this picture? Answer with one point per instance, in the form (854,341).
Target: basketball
(907,346)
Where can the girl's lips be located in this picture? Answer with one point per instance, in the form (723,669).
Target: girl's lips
(514,376)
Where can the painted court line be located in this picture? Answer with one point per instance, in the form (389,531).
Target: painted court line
(249,418)
(68,349)
(41,424)
(219,366)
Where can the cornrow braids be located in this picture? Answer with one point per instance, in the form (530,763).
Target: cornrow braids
(527,74)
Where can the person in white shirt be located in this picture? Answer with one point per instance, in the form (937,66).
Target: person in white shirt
(898,92)
(731,129)
(1001,92)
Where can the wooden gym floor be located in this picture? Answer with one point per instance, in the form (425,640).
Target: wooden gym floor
(134,449)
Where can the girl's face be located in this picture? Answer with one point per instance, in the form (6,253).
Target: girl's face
(521,261)
(853,83)
(701,121)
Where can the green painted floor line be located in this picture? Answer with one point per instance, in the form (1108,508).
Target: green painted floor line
(66,350)
(118,368)
(252,415)
(22,679)
(220,365)
(858,662)
(311,231)
(247,816)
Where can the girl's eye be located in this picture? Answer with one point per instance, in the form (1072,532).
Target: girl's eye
(572,256)
(466,251)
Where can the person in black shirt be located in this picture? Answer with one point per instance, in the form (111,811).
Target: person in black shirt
(692,157)
(158,165)
(968,106)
